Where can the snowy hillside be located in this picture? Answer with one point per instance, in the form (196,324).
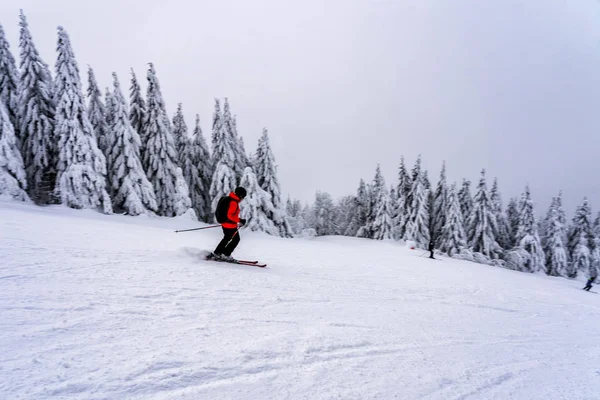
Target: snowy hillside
(110,307)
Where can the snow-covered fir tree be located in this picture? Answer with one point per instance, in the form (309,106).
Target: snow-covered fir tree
(109,112)
(9,81)
(344,214)
(132,193)
(97,113)
(512,220)
(229,133)
(554,243)
(257,205)
(373,193)
(416,173)
(527,235)
(417,227)
(196,165)
(224,179)
(453,238)
(266,173)
(242,156)
(36,113)
(13,180)
(225,147)
(465,200)
(402,193)
(324,215)
(81,170)
(582,243)
(394,212)
(180,132)
(137,110)
(502,233)
(482,225)
(383,222)
(596,226)
(440,206)
(360,212)
(216,128)
(295,216)
(160,157)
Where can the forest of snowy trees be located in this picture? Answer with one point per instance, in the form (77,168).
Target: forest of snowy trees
(96,149)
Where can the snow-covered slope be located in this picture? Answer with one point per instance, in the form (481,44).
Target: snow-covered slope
(113,307)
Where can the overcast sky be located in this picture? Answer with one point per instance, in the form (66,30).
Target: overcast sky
(512,86)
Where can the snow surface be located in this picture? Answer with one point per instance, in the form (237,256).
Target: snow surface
(99,306)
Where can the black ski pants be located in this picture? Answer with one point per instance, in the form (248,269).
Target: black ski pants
(231,236)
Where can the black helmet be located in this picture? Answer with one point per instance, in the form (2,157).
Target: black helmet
(240,192)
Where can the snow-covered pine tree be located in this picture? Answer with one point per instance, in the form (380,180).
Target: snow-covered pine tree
(180,133)
(224,179)
(137,110)
(229,133)
(257,205)
(502,234)
(357,224)
(36,109)
(512,220)
(374,191)
(13,180)
(344,214)
(554,243)
(132,193)
(402,193)
(453,238)
(160,157)
(417,227)
(97,112)
(109,113)
(465,200)
(9,82)
(582,242)
(266,173)
(394,210)
(243,158)
(596,226)
(324,215)
(216,129)
(295,215)
(527,235)
(196,165)
(482,225)
(383,222)
(81,170)
(440,206)
(416,173)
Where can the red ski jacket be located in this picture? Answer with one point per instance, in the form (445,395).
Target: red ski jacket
(233,213)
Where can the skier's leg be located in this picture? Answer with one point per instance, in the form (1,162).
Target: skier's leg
(234,242)
(221,249)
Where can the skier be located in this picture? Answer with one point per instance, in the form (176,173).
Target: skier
(431,248)
(228,215)
(588,285)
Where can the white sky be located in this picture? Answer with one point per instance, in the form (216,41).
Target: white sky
(512,86)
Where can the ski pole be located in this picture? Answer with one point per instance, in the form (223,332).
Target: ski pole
(232,236)
(197,229)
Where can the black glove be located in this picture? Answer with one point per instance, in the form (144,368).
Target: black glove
(242,221)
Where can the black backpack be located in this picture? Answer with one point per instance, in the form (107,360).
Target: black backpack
(222,209)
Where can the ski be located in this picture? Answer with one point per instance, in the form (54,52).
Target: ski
(239,262)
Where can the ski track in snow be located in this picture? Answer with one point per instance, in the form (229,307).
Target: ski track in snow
(113,307)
